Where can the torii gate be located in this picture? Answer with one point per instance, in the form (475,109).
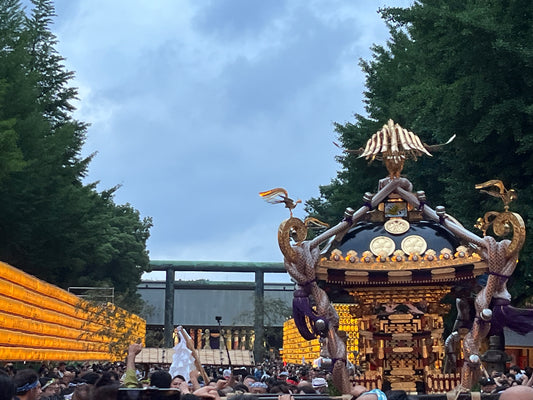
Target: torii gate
(170,267)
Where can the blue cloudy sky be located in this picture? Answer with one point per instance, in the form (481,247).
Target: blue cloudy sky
(197,105)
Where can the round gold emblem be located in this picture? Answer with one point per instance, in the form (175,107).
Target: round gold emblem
(382,246)
(414,244)
(397,226)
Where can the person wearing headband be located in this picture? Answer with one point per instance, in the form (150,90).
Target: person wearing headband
(27,385)
(258,388)
(49,387)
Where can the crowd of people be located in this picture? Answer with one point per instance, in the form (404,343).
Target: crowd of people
(104,381)
(498,381)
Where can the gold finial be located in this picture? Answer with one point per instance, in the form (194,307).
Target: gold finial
(394,144)
(498,190)
(279,195)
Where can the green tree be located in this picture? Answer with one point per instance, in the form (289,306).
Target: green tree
(275,312)
(463,67)
(52,225)
(11,22)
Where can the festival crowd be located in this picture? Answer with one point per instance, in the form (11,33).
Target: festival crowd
(283,382)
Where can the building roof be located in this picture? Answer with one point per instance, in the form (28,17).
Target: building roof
(513,339)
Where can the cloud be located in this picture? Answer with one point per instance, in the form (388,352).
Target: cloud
(196,106)
(235,19)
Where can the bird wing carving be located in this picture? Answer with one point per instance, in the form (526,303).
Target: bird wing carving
(358,151)
(271,196)
(498,190)
(434,147)
(492,182)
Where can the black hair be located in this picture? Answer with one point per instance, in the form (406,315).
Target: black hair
(486,381)
(280,387)
(160,379)
(43,381)
(107,378)
(7,387)
(106,392)
(42,369)
(81,392)
(240,387)
(90,377)
(306,388)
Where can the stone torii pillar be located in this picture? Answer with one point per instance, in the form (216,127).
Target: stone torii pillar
(169,307)
(259,315)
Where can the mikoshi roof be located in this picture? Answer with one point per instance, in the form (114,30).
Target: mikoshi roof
(394,243)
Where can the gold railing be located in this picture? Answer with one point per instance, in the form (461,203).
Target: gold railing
(441,383)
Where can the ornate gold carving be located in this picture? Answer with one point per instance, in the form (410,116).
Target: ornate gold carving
(501,225)
(396,226)
(414,244)
(400,317)
(402,349)
(402,336)
(403,385)
(503,222)
(280,195)
(291,228)
(498,190)
(405,264)
(394,144)
(430,294)
(382,246)
(412,263)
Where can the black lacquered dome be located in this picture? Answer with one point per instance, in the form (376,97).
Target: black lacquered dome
(360,237)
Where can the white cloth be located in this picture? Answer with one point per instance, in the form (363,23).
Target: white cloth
(319,382)
(182,360)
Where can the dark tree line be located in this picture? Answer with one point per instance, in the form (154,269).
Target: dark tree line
(460,67)
(52,224)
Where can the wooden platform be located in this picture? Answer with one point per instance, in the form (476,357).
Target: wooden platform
(243,358)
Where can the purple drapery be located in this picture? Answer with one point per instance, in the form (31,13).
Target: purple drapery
(519,320)
(301,308)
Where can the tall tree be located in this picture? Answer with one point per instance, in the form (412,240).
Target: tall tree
(11,22)
(463,67)
(53,225)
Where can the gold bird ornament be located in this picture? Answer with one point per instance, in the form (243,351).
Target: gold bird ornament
(278,196)
(497,189)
